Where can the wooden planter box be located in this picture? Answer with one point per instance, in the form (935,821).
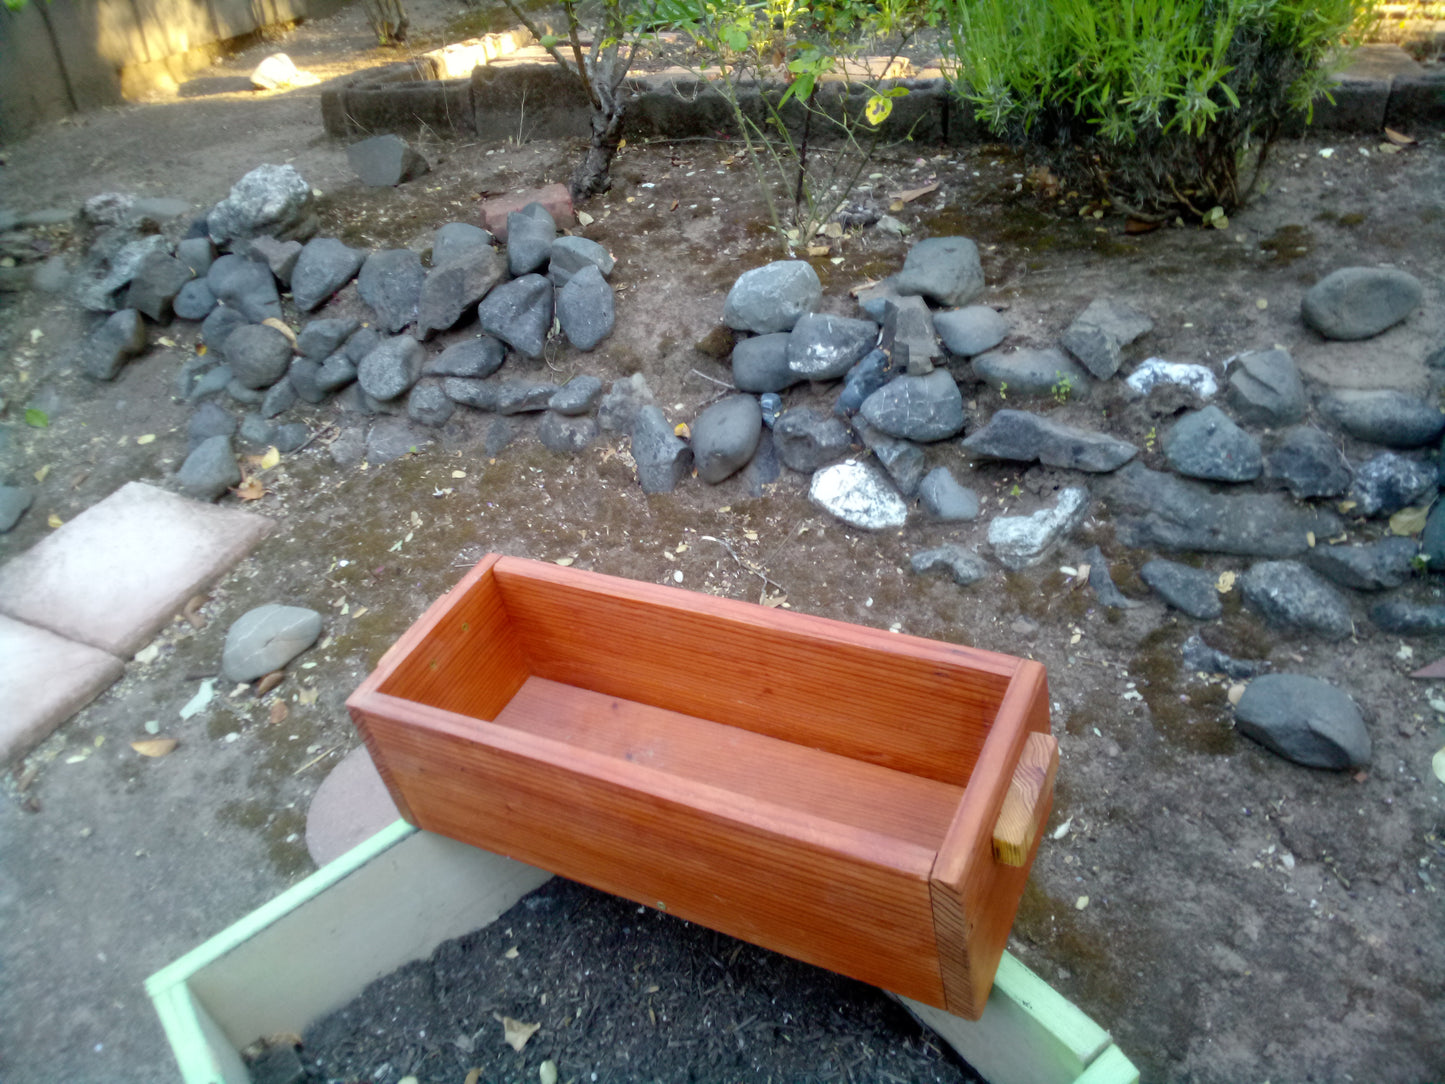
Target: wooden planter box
(860,800)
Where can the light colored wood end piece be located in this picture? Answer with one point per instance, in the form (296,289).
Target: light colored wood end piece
(1023,809)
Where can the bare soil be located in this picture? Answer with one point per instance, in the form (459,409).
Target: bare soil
(1226,914)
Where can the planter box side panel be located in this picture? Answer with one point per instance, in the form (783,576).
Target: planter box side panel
(911,705)
(462,656)
(975,897)
(692,850)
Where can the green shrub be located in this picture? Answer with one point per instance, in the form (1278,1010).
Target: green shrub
(1162,105)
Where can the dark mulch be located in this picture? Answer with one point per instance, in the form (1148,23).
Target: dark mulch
(622,993)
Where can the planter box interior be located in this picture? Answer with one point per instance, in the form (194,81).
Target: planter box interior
(863,801)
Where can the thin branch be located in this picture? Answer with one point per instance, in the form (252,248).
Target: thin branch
(745,565)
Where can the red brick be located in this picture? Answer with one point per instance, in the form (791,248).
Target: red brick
(554,197)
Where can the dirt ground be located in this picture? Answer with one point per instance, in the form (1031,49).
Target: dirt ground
(1225,914)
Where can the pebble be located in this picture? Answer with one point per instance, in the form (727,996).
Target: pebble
(1287,593)
(858,495)
(724,437)
(208,420)
(1207,444)
(973,330)
(946,270)
(1021,541)
(1305,720)
(773,297)
(963,566)
(1099,333)
(280,397)
(1025,437)
(945,499)
(807,439)
(390,282)
(1191,590)
(267,638)
(1360,302)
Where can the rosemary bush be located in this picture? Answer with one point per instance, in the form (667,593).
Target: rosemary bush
(1165,106)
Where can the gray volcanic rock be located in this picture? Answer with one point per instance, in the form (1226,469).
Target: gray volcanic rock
(1310,464)
(1030,372)
(1160,511)
(195,300)
(390,370)
(963,566)
(1406,618)
(969,331)
(319,339)
(946,270)
(530,234)
(617,413)
(324,266)
(807,439)
(266,639)
(209,470)
(457,240)
(156,283)
(1198,656)
(662,458)
(121,337)
(474,358)
(902,459)
(578,396)
(945,499)
(858,495)
(908,337)
(585,308)
(1021,541)
(1289,594)
(390,282)
(14,500)
(1432,540)
(1373,566)
(385,161)
(216,328)
(1021,436)
(923,408)
(1265,388)
(566,433)
(1207,444)
(863,380)
(272,200)
(1099,333)
(280,397)
(825,347)
(279,256)
(571,254)
(724,437)
(208,420)
(1101,581)
(1189,589)
(337,371)
(1305,720)
(454,286)
(519,313)
(246,286)
(1360,302)
(258,355)
(760,363)
(523,396)
(1391,418)
(1390,482)
(302,377)
(772,297)
(428,405)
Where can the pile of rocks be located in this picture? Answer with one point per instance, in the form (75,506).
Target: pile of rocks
(1223,493)
(234,269)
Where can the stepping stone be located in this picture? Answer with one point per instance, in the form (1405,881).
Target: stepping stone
(44,680)
(117,573)
(351,805)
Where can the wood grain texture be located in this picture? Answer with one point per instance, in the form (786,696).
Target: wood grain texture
(1020,818)
(974,897)
(901,702)
(849,899)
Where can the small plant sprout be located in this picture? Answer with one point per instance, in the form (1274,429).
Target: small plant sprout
(1062,387)
(1003,390)
(1151,438)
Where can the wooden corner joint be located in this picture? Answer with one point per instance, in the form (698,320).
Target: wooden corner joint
(1020,819)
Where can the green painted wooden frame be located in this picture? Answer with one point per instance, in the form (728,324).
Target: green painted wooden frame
(316,946)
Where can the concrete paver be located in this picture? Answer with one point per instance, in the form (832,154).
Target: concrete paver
(44,679)
(116,573)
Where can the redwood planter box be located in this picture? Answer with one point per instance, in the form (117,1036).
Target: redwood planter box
(864,801)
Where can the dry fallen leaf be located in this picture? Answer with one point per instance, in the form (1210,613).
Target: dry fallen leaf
(473,1075)
(251,490)
(53,520)
(817,250)
(267,682)
(191,611)
(154,747)
(584,218)
(1236,692)
(565,562)
(459,474)
(280,325)
(1139,225)
(146,439)
(1225,583)
(279,711)
(908,195)
(41,474)
(774,601)
(1400,139)
(1437,764)
(1408,521)
(682,430)
(307,696)
(515,1033)
(271,458)
(1081,903)
(511,953)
